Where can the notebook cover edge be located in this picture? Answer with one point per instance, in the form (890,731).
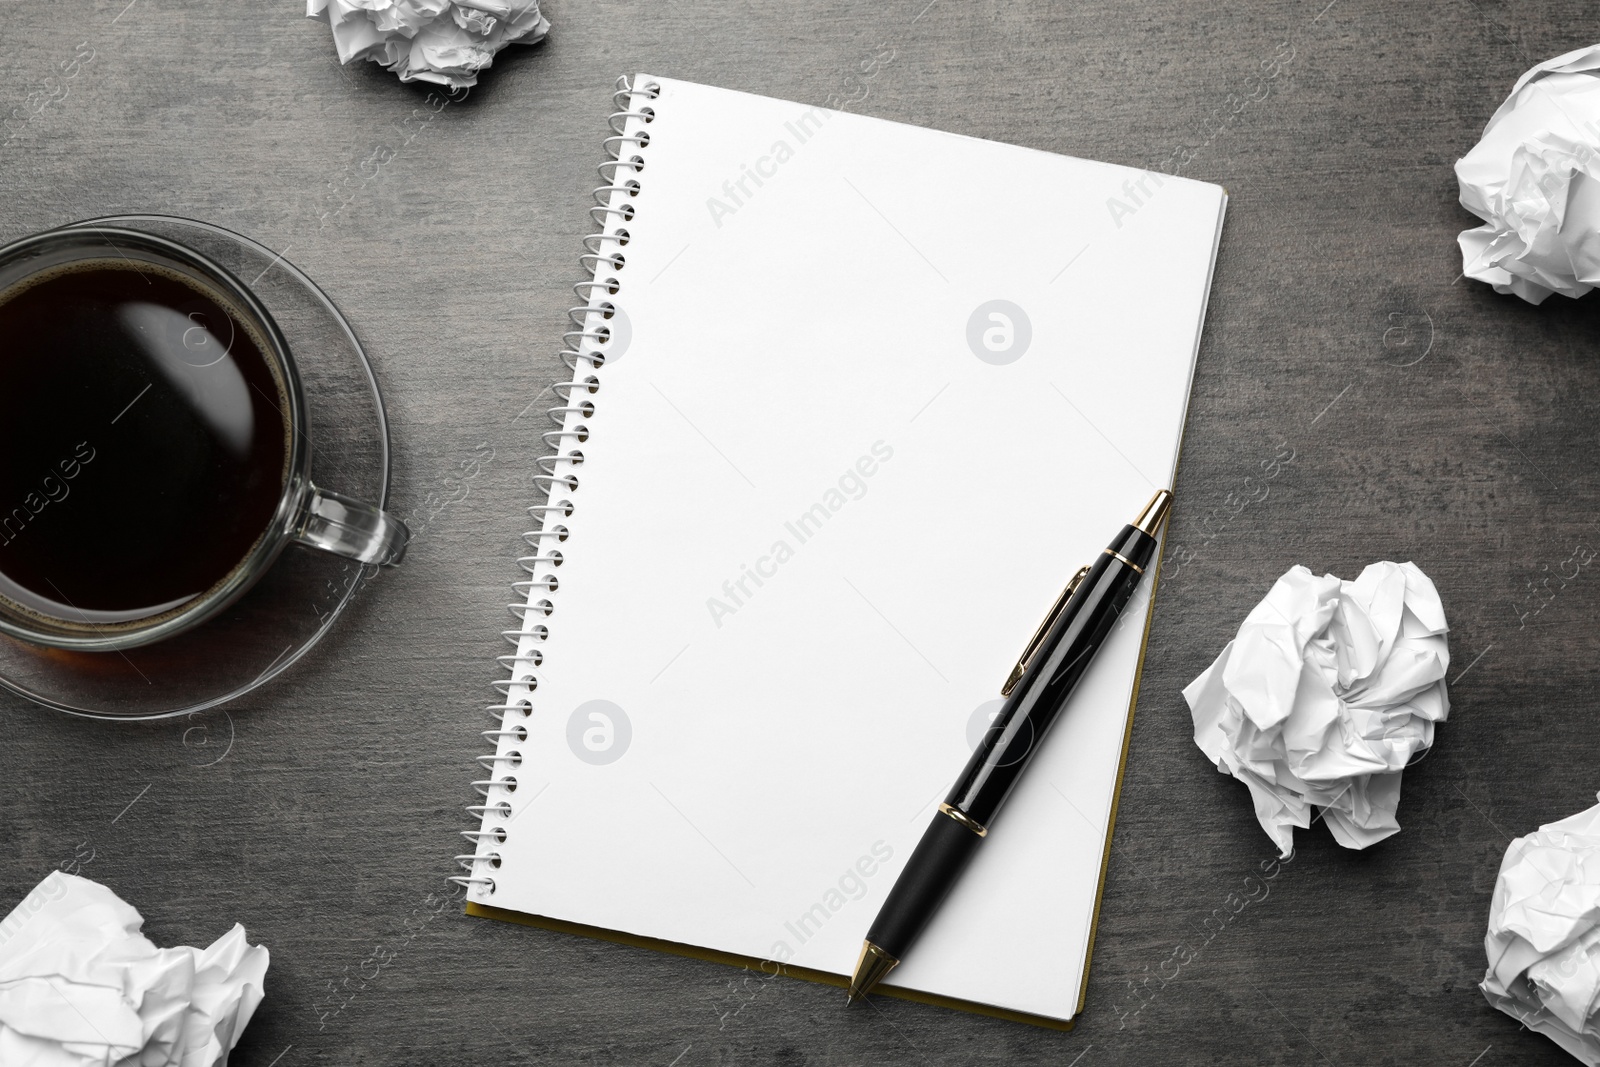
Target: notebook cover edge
(733,959)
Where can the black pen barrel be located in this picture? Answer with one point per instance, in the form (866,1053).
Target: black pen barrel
(952,839)
(1051,667)
(1036,701)
(935,864)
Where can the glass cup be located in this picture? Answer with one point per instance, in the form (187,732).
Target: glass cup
(305,513)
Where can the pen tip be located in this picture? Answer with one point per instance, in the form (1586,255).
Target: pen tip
(1150,518)
(870,969)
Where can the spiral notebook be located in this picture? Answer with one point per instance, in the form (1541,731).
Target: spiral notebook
(851,400)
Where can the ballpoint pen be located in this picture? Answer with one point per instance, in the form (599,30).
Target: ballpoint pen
(1039,686)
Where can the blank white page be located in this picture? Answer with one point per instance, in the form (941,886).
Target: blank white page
(813,530)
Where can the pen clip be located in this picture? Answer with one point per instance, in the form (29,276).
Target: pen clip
(1039,635)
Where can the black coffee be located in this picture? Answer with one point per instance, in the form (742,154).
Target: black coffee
(143,441)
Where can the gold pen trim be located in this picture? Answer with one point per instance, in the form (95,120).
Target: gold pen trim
(1154,513)
(965,820)
(871,967)
(1042,632)
(1125,559)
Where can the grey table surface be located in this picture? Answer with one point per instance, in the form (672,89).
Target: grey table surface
(1427,418)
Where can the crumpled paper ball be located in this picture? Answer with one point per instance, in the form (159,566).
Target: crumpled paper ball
(430,40)
(80,986)
(1534,179)
(1544,934)
(1329,690)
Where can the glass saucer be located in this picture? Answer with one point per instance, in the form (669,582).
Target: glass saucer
(301,596)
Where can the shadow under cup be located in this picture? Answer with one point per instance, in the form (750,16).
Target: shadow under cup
(154,449)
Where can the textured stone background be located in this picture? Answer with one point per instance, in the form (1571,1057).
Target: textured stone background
(1407,415)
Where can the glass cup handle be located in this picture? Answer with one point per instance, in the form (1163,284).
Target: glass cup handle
(350,528)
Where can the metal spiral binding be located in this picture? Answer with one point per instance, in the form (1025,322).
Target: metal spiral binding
(603,260)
